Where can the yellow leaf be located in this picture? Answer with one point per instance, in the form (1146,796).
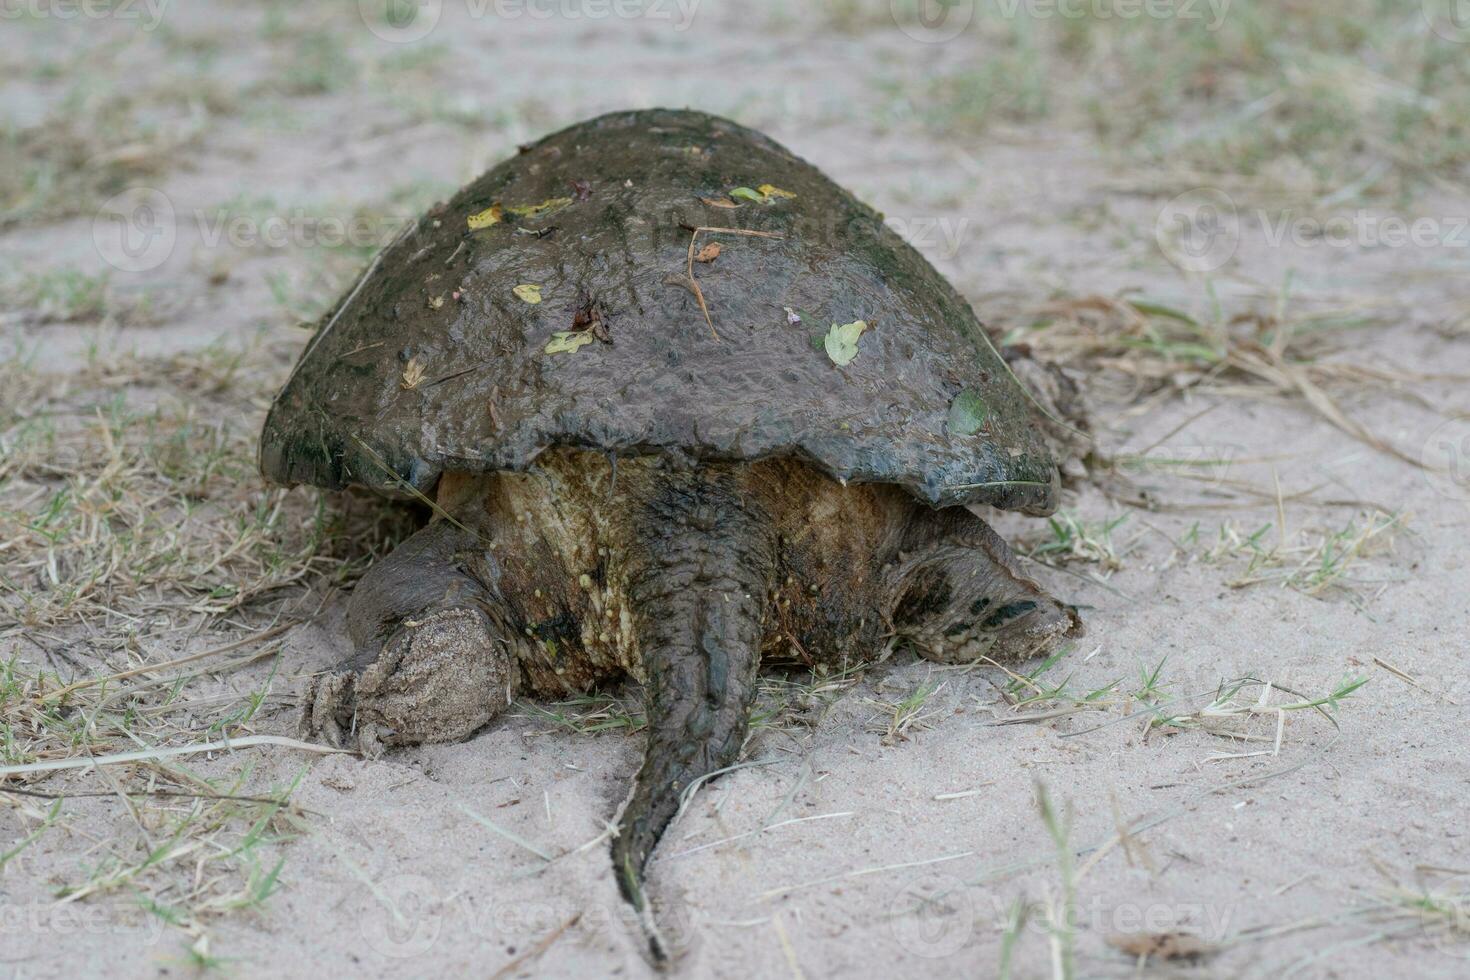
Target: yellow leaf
(842,341)
(495,213)
(528,292)
(567,341)
(709,253)
(486,218)
(720,202)
(537,210)
(769,190)
(413,374)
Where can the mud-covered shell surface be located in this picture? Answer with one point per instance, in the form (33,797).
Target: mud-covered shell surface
(436,361)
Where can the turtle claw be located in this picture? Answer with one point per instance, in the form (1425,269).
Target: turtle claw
(437,679)
(329,706)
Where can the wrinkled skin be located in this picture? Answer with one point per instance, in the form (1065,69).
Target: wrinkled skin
(684,578)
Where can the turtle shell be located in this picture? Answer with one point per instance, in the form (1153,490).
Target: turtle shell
(571,297)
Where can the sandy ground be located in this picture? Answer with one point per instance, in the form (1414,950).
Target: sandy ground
(911,851)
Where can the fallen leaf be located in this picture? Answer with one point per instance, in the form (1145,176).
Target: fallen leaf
(436,303)
(486,218)
(496,213)
(842,341)
(591,318)
(763,194)
(720,202)
(1163,945)
(567,341)
(494,412)
(538,210)
(528,292)
(709,253)
(967,413)
(413,374)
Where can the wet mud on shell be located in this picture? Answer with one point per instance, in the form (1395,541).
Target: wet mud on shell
(433,363)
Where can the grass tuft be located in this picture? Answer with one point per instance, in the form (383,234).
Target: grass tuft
(133,522)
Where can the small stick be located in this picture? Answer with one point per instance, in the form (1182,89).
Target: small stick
(513,838)
(274,631)
(150,755)
(416,493)
(689,266)
(151,793)
(536,950)
(1401,675)
(787,948)
(860,873)
(760,830)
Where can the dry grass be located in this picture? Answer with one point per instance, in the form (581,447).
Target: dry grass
(1433,908)
(97,141)
(133,527)
(133,524)
(1140,352)
(123,507)
(895,719)
(70,295)
(1072,539)
(588,714)
(797,700)
(1314,561)
(1137,355)
(1246,712)
(1270,97)
(1227,708)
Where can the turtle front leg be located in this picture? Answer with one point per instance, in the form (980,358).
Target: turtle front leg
(958,594)
(431,662)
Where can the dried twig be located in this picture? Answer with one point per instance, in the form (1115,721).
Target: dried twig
(693,283)
(170,752)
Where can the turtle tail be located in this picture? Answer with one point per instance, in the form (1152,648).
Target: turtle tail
(700,576)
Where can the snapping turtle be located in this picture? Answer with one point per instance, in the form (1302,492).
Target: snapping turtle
(648,466)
